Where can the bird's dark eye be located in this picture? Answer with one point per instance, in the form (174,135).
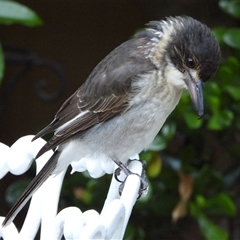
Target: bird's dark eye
(190,63)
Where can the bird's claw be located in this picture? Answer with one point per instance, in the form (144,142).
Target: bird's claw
(144,184)
(118,171)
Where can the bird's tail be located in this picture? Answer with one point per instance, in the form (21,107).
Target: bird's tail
(37,182)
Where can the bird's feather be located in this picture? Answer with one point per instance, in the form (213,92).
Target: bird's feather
(104,95)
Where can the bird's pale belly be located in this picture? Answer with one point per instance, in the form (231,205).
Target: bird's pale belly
(121,137)
(128,134)
(131,134)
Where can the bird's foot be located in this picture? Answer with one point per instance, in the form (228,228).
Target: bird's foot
(122,168)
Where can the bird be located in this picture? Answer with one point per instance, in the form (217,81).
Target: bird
(120,108)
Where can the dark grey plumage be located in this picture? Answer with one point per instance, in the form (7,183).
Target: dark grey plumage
(201,46)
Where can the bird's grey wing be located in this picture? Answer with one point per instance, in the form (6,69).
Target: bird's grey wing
(97,102)
(104,95)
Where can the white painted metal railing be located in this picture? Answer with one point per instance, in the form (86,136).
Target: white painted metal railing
(70,222)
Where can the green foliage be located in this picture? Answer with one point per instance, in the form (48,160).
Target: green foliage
(232,37)
(207,227)
(192,121)
(231,7)
(12,12)
(218,205)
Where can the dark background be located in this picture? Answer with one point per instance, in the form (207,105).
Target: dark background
(77,35)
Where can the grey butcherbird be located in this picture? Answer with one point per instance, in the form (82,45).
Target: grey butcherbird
(126,99)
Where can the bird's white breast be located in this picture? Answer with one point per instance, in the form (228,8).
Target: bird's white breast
(128,134)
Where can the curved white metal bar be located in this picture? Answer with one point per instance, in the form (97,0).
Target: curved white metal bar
(65,224)
(4,151)
(9,232)
(70,222)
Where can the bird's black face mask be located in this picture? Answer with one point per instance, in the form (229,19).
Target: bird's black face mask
(196,55)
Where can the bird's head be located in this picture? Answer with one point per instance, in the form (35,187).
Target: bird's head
(191,53)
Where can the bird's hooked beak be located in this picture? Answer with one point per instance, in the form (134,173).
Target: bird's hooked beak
(195,89)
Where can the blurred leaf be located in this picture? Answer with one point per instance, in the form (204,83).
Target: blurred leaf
(220,120)
(207,179)
(210,230)
(207,227)
(192,120)
(218,33)
(154,166)
(226,74)
(232,37)
(214,122)
(226,117)
(160,141)
(134,233)
(180,210)
(2,65)
(13,12)
(234,64)
(195,210)
(185,189)
(213,89)
(14,191)
(234,91)
(146,156)
(185,186)
(200,201)
(130,232)
(185,99)
(158,144)
(219,204)
(168,130)
(214,103)
(230,7)
(173,163)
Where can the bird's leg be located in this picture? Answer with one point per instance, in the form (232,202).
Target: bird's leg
(121,167)
(127,172)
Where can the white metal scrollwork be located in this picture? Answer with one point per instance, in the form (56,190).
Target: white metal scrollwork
(71,222)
